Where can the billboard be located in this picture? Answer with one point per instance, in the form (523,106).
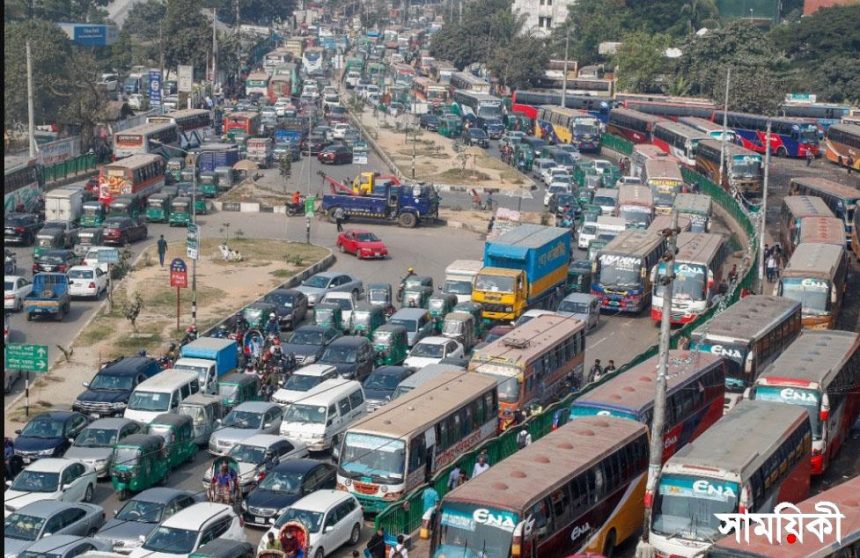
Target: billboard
(90,34)
(186,78)
(154,88)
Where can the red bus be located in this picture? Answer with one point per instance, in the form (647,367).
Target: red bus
(140,175)
(632,125)
(695,390)
(528,102)
(790,137)
(666,106)
(248,122)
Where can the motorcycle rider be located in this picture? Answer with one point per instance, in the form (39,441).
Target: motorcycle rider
(409,273)
(296,202)
(273,327)
(240,323)
(190,334)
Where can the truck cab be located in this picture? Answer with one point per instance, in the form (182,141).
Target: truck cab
(49,297)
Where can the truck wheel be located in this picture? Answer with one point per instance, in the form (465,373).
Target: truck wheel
(407,220)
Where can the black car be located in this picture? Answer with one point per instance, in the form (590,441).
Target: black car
(140,515)
(560,200)
(48,435)
(380,385)
(476,136)
(55,260)
(338,114)
(108,392)
(291,304)
(314,144)
(283,485)
(429,122)
(335,155)
(495,129)
(308,342)
(20,228)
(353,357)
(123,230)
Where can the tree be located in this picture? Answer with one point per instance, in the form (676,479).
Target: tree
(700,13)
(285,169)
(641,64)
(590,22)
(516,71)
(187,35)
(82,103)
(259,12)
(144,19)
(56,10)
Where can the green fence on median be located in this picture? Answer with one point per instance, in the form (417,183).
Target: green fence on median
(405,516)
(69,167)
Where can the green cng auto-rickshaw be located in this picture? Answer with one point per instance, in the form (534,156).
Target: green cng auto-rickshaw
(439,306)
(450,126)
(460,326)
(476,310)
(173,169)
(158,208)
(226,178)
(391,344)
(236,388)
(138,464)
(208,184)
(329,315)
(523,157)
(178,433)
(180,211)
(579,277)
(366,318)
(126,205)
(92,214)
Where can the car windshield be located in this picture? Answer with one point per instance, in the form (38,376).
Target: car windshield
(149,401)
(342,303)
(458,287)
(302,382)
(305,337)
(305,413)
(279,299)
(51,259)
(9,286)
(620,271)
(23,527)
(286,483)
(36,481)
(96,438)
(228,392)
(141,512)
(688,506)
(248,454)
(243,419)
(43,427)
(494,283)
(111,382)
(383,382)
(377,457)
(340,354)
(367,237)
(310,519)
(573,307)
(813,294)
(317,281)
(429,350)
(410,325)
(171,540)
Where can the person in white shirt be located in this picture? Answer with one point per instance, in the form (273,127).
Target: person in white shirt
(399,550)
(480,466)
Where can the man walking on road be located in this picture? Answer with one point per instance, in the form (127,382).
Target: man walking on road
(338,218)
(162,249)
(809,157)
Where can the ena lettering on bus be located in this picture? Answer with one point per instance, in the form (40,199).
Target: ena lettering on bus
(813,284)
(789,394)
(727,352)
(690,269)
(704,487)
(484,516)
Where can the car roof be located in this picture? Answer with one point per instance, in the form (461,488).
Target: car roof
(54,544)
(56,252)
(196,515)
(50,464)
(13,277)
(127,365)
(435,340)
(160,494)
(46,508)
(255,406)
(311,327)
(321,500)
(315,369)
(84,266)
(579,297)
(350,340)
(263,440)
(291,292)
(109,423)
(57,415)
(329,274)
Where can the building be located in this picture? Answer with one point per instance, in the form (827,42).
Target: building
(811,6)
(542,16)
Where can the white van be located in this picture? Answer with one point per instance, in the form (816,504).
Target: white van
(303,381)
(607,199)
(324,413)
(610,225)
(159,394)
(587,233)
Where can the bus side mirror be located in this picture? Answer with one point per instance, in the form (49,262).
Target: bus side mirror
(748,363)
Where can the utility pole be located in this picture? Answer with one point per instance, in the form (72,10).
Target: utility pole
(236,3)
(214,51)
(31,118)
(194,260)
(161,58)
(564,77)
(725,124)
(659,420)
(763,212)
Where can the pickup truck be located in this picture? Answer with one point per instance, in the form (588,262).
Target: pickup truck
(49,297)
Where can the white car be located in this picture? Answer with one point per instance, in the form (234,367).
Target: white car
(184,532)
(430,350)
(333,518)
(281,108)
(339,130)
(547,173)
(372,90)
(603,166)
(270,112)
(15,288)
(92,257)
(559,174)
(629,181)
(86,281)
(135,101)
(311,93)
(554,189)
(347,303)
(51,478)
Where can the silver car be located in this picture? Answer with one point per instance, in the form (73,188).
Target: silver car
(316,286)
(249,418)
(582,306)
(63,546)
(95,444)
(258,454)
(48,517)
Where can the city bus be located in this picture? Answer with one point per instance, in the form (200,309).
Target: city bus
(578,489)
(841,141)
(752,459)
(816,277)
(821,230)
(749,334)
(257,83)
(532,362)
(632,125)
(402,73)
(643,152)
(22,186)
(713,130)
(790,137)
(820,372)
(564,125)
(743,169)
(312,61)
(794,209)
(620,272)
(698,268)
(427,90)
(695,386)
(389,453)
(678,140)
(141,175)
(635,205)
(855,235)
(247,122)
(146,138)
(276,58)
(469,82)
(664,178)
(841,199)
(810,544)
(482,105)
(193,125)
(698,208)
(526,102)
(666,106)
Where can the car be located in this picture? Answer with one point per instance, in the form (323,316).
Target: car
(337,113)
(629,181)
(430,350)
(15,288)
(345,301)
(495,129)
(314,144)
(352,355)
(603,166)
(269,112)
(123,230)
(291,306)
(582,306)
(546,171)
(476,136)
(333,518)
(108,392)
(141,514)
(91,258)
(52,478)
(170,102)
(64,233)
(317,285)
(429,122)
(257,455)
(94,446)
(362,243)
(63,546)
(339,130)
(512,137)
(554,189)
(35,521)
(281,108)
(188,529)
(136,101)
(308,342)
(560,175)
(324,131)
(48,434)
(245,420)
(335,155)
(351,138)
(55,260)
(303,380)
(86,281)
(379,387)
(284,484)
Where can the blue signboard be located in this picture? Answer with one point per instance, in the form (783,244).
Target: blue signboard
(154,88)
(90,34)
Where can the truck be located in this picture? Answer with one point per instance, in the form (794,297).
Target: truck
(459,278)
(217,155)
(210,358)
(260,151)
(64,204)
(49,297)
(386,200)
(524,268)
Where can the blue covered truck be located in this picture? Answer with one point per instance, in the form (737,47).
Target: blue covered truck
(406,204)
(50,296)
(210,358)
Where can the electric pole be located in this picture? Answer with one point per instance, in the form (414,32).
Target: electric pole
(214,52)
(725,124)
(763,212)
(31,118)
(564,77)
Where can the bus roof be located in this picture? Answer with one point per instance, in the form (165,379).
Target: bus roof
(846,127)
(662,168)
(235,115)
(518,481)
(714,145)
(748,318)
(807,206)
(820,260)
(147,128)
(634,194)
(741,440)
(630,113)
(822,230)
(662,222)
(567,111)
(827,187)
(632,243)
(815,356)
(134,161)
(698,247)
(701,123)
(692,203)
(521,343)
(414,412)
(634,388)
(651,151)
(681,129)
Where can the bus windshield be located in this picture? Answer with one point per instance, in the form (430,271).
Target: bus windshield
(588,410)
(808,398)
(734,355)
(469,531)
(686,506)
(509,387)
(378,457)
(746,166)
(636,214)
(620,271)
(664,195)
(813,294)
(689,284)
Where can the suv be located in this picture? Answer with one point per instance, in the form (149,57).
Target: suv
(108,392)
(21,228)
(204,522)
(352,355)
(302,381)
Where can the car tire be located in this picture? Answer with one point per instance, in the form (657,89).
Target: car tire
(88,495)
(356,293)
(19,305)
(320,553)
(355,535)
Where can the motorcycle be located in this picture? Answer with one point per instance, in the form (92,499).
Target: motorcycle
(190,335)
(294,209)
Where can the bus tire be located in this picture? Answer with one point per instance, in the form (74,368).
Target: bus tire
(781,151)
(609,545)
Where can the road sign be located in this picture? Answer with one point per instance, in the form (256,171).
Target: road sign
(109,256)
(178,273)
(155,88)
(31,358)
(359,156)
(192,241)
(309,206)
(186,78)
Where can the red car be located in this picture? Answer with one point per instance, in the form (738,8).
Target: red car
(364,244)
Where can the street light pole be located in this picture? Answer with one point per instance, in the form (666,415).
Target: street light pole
(194,260)
(763,212)
(564,77)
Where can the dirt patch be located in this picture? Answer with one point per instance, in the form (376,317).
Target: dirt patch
(478,220)
(252,191)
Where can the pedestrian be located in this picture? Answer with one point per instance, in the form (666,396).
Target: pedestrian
(491,223)
(338,218)
(770,265)
(481,466)
(777,252)
(524,438)
(767,250)
(399,550)
(454,477)
(609,367)
(596,371)
(429,497)
(733,274)
(809,157)
(850,163)
(162,249)
(376,544)
(683,343)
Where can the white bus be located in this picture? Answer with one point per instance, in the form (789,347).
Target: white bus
(146,138)
(193,125)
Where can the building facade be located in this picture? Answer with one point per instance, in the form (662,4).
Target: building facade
(542,16)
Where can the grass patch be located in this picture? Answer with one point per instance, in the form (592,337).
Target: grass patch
(255,251)
(461,174)
(150,336)
(282,273)
(160,298)
(99,329)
